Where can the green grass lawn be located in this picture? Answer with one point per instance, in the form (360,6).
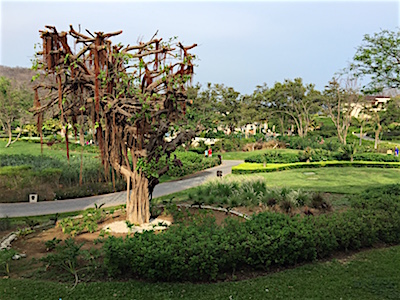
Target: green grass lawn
(346,180)
(240,155)
(22,147)
(369,275)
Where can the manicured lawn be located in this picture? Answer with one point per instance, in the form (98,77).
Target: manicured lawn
(368,275)
(240,155)
(346,180)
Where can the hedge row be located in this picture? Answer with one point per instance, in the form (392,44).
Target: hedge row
(317,155)
(250,168)
(204,251)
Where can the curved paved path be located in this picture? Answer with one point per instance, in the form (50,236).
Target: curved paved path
(52,207)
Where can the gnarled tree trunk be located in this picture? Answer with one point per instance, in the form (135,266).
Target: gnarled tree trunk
(138,204)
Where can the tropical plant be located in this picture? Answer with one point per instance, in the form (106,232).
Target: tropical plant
(348,151)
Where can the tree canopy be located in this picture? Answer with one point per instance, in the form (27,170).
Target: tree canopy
(338,102)
(296,100)
(133,96)
(14,104)
(378,57)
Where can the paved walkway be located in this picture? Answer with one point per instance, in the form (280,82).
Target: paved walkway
(52,207)
(365,137)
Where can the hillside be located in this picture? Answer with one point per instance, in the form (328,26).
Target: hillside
(22,76)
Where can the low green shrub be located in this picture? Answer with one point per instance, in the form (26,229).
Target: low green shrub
(316,155)
(89,189)
(234,142)
(92,169)
(5,260)
(71,258)
(314,142)
(5,224)
(274,157)
(191,163)
(203,251)
(376,157)
(17,182)
(250,168)
(51,244)
(87,223)
(234,192)
(54,178)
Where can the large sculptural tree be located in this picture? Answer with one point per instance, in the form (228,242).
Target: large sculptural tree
(132,96)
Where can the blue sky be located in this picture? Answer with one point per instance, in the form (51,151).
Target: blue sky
(241,44)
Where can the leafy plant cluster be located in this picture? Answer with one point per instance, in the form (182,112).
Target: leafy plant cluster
(69,257)
(254,192)
(51,244)
(5,259)
(226,143)
(191,163)
(87,223)
(233,142)
(211,134)
(314,142)
(204,251)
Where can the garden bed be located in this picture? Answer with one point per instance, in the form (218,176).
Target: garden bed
(206,246)
(32,242)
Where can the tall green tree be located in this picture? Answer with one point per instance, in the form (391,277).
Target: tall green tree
(14,103)
(255,106)
(202,110)
(229,106)
(378,57)
(339,102)
(296,100)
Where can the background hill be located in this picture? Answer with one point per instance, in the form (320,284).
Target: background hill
(21,76)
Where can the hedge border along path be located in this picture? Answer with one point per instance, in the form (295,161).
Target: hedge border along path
(250,168)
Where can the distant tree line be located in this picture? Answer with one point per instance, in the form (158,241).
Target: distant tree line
(291,104)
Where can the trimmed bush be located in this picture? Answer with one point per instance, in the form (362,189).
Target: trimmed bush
(250,168)
(316,155)
(376,157)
